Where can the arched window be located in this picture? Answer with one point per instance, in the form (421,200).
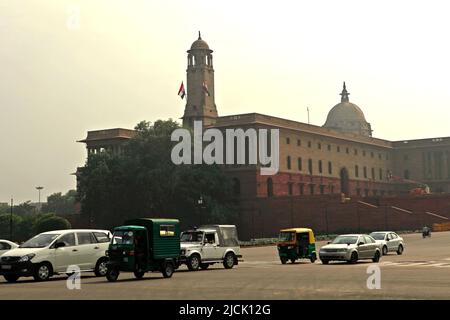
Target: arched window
(236,186)
(269,187)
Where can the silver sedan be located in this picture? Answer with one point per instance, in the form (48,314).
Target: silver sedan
(389,241)
(351,248)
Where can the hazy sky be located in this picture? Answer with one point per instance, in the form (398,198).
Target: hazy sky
(122,62)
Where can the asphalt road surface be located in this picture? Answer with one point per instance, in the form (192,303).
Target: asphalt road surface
(422,272)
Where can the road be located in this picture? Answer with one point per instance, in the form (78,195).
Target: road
(422,272)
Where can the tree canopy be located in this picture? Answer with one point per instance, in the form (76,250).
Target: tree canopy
(142,181)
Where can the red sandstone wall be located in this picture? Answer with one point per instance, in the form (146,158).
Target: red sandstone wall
(264,217)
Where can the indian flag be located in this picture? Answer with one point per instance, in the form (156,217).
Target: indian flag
(181,91)
(205,88)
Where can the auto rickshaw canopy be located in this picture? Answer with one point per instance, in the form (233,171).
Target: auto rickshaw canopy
(302,230)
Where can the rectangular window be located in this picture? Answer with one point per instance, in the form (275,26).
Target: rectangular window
(381,174)
(356,152)
(373,173)
(299,163)
(329,147)
(319,146)
(338,149)
(347,150)
(302,188)
(290,191)
(364,153)
(330,168)
(288,162)
(365,172)
(371,155)
(288,140)
(167,230)
(356,171)
(310,166)
(358,192)
(322,189)
(309,144)
(320,166)
(311,189)
(299,142)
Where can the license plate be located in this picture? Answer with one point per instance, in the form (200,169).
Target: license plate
(6,267)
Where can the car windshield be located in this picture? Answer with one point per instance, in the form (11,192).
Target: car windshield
(191,236)
(345,240)
(122,237)
(286,236)
(40,241)
(377,235)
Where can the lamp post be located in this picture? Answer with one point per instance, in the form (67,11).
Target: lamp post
(200,206)
(11,221)
(39,188)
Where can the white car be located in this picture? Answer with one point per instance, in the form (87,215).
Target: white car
(6,245)
(389,241)
(55,252)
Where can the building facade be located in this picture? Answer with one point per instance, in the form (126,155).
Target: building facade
(341,156)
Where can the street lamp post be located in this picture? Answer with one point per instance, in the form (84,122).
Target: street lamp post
(39,188)
(200,206)
(11,222)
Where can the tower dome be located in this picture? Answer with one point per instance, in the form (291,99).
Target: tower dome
(348,117)
(199,44)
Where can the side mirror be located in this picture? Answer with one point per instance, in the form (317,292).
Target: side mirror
(360,244)
(59,245)
(387,239)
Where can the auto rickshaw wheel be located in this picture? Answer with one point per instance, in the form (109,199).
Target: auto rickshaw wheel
(167,269)
(112,274)
(283,260)
(139,274)
(292,260)
(313,258)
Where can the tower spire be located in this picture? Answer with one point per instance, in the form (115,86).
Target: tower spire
(199,36)
(344,94)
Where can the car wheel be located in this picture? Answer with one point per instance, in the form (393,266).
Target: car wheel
(313,258)
(204,266)
(376,257)
(167,270)
(353,257)
(324,261)
(193,262)
(139,274)
(283,260)
(112,274)
(11,277)
(385,250)
(42,272)
(228,261)
(400,250)
(101,268)
(292,260)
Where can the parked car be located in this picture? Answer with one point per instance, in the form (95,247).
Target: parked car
(351,248)
(6,245)
(389,241)
(144,245)
(210,244)
(52,252)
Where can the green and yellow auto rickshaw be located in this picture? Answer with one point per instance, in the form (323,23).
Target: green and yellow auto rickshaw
(144,245)
(296,243)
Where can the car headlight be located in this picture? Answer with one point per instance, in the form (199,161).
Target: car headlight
(27,257)
(183,252)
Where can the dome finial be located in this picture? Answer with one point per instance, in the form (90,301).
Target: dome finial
(344,94)
(199,36)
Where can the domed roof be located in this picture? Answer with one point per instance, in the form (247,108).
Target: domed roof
(199,44)
(348,117)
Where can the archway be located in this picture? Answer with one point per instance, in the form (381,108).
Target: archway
(344,181)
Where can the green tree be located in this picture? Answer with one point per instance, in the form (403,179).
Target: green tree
(5,225)
(143,182)
(61,204)
(49,222)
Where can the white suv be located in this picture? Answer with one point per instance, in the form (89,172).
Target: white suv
(53,252)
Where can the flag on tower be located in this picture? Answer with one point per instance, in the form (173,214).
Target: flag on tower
(181,91)
(205,88)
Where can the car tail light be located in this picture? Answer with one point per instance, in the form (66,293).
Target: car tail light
(131,253)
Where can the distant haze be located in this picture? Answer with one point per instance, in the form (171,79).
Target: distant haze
(122,62)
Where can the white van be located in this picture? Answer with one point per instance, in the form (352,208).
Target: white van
(52,252)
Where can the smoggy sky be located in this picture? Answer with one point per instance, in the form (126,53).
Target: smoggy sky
(120,62)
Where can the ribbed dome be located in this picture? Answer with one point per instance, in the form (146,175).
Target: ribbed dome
(348,117)
(199,44)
